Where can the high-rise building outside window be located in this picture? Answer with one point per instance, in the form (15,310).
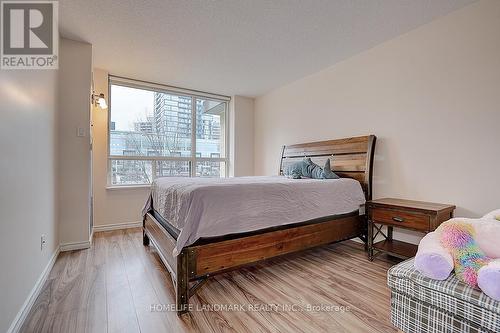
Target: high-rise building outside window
(158,131)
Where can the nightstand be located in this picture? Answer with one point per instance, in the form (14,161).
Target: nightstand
(405,214)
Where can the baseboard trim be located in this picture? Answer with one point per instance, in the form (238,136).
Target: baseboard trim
(75,246)
(18,321)
(117,226)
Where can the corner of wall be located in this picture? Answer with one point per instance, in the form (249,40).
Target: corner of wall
(75,76)
(241,119)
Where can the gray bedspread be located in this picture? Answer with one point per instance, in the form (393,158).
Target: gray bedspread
(208,207)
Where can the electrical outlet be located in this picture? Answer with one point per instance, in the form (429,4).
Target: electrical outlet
(43,242)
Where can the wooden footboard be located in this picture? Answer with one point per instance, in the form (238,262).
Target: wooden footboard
(162,241)
(222,256)
(195,263)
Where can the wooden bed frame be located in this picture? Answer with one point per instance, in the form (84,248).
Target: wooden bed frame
(352,158)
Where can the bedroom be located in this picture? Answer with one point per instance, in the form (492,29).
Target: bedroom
(204,113)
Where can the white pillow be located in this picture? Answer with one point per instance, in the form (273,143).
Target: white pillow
(493,215)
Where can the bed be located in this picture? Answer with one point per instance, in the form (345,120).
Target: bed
(202,227)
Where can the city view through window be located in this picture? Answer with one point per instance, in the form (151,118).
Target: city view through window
(159,134)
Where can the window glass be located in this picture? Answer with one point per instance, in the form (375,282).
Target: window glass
(157,130)
(210,129)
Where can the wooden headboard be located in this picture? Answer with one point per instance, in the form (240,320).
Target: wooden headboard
(350,157)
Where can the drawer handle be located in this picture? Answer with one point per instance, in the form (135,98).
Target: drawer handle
(398,219)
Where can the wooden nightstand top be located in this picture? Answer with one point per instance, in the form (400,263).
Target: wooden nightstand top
(420,206)
(406,214)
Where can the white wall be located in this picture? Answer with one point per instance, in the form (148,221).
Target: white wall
(241,131)
(432,96)
(75,79)
(124,205)
(117,205)
(45,169)
(28,204)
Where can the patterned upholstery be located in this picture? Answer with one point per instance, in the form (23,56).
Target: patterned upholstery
(420,304)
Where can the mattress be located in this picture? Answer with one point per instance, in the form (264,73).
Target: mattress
(210,207)
(421,305)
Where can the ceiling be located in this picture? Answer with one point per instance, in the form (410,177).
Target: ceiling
(236,47)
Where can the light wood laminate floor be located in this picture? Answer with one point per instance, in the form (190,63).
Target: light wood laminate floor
(112,286)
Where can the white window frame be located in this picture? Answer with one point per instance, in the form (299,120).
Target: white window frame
(194,94)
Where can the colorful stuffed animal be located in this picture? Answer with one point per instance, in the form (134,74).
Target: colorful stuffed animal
(471,247)
(459,239)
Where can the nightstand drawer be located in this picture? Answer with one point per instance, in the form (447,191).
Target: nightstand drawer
(403,214)
(400,218)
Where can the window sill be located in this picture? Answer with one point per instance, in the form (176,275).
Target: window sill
(127,187)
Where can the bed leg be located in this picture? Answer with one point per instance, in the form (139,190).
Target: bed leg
(363,238)
(365,232)
(182,285)
(145,239)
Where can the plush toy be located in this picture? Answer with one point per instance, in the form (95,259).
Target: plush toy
(471,247)
(468,258)
(309,169)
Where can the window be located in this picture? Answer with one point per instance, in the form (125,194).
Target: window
(157,131)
